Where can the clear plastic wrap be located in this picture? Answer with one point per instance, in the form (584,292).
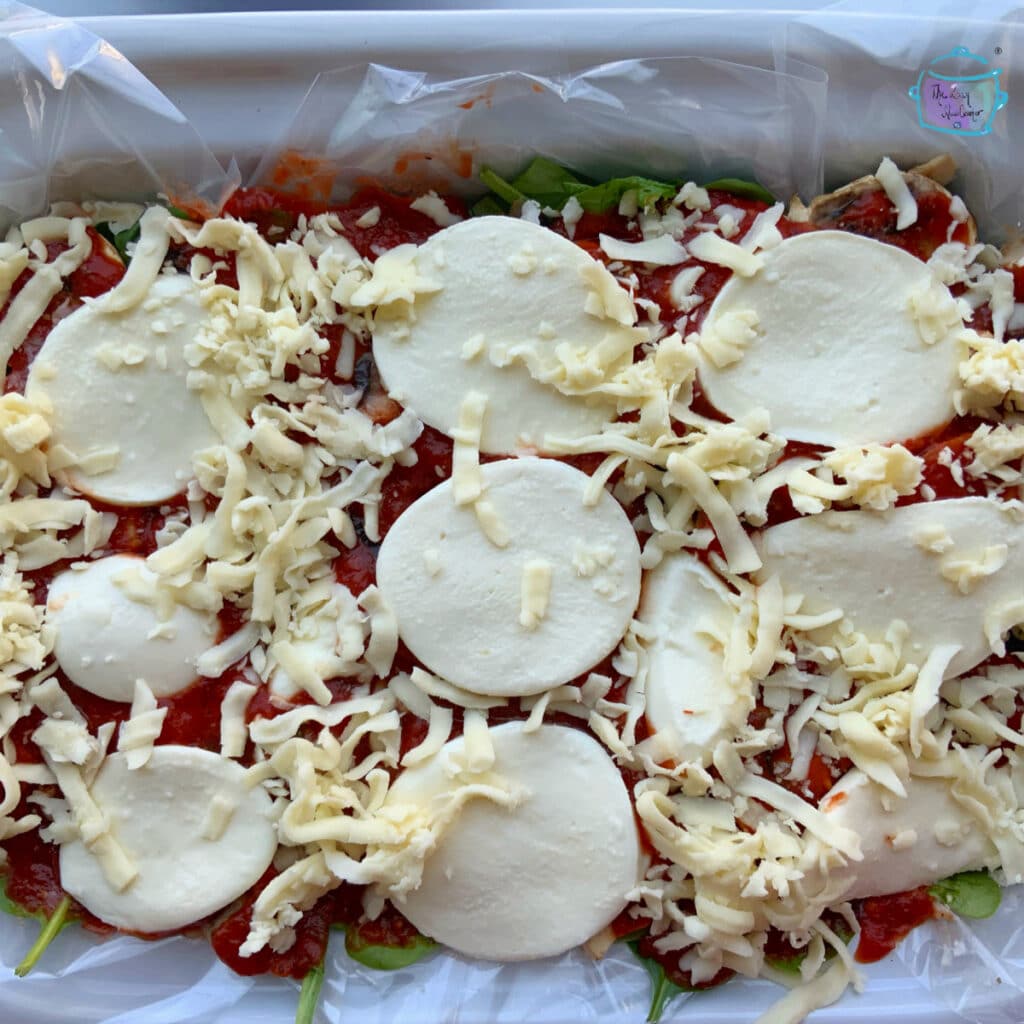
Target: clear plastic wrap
(976,970)
(688,117)
(77,120)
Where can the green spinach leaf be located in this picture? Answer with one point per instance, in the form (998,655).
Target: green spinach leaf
(500,187)
(386,958)
(552,186)
(52,927)
(309,995)
(663,989)
(599,198)
(120,239)
(788,964)
(742,188)
(970,894)
(487,206)
(548,183)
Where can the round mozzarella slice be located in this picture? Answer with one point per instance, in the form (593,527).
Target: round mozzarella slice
(195,831)
(503,283)
(691,701)
(838,357)
(464,605)
(537,880)
(924,564)
(105,640)
(117,386)
(905,842)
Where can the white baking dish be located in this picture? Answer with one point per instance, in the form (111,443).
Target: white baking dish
(239,79)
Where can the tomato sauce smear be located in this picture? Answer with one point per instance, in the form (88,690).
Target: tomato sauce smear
(871,213)
(885,921)
(312,932)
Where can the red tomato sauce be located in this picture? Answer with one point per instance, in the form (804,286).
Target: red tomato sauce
(390,928)
(193,715)
(136,529)
(356,567)
(822,773)
(937,475)
(872,214)
(982,319)
(405,484)
(341,907)
(938,448)
(32,876)
(311,936)
(277,215)
(655,284)
(885,921)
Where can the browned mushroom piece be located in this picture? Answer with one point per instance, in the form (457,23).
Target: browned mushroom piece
(1013,249)
(834,209)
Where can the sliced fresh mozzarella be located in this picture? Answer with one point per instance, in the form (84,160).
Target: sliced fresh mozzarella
(536,612)
(691,702)
(105,640)
(501,283)
(197,834)
(948,569)
(117,386)
(906,842)
(837,356)
(537,880)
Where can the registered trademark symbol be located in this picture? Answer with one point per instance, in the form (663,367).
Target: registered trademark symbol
(999,50)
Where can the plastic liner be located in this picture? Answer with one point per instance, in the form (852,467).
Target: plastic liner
(77,120)
(690,117)
(975,970)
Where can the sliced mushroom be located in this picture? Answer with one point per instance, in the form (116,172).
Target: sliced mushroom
(940,169)
(922,180)
(1013,249)
(798,213)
